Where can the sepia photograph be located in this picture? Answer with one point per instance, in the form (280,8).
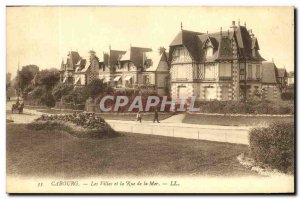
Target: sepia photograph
(144,99)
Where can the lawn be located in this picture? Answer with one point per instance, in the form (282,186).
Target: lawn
(58,154)
(225,120)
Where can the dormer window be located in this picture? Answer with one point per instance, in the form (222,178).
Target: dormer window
(209,51)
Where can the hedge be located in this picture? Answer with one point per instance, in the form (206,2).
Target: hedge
(274,146)
(249,107)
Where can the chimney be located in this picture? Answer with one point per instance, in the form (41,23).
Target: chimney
(221,30)
(251,34)
(233,25)
(245,24)
(239,22)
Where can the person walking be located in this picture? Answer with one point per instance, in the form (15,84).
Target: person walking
(156,116)
(139,117)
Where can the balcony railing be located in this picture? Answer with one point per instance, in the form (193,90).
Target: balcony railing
(225,78)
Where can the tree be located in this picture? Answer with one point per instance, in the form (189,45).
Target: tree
(47,78)
(25,76)
(8,81)
(61,89)
(48,99)
(97,87)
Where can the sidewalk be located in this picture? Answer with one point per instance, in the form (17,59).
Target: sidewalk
(230,134)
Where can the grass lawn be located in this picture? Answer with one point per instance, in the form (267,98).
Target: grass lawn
(232,120)
(58,154)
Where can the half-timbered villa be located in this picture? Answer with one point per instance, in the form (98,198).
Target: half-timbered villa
(224,65)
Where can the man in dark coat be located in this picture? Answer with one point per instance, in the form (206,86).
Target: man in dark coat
(156,116)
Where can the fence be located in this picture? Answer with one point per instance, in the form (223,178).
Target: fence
(218,134)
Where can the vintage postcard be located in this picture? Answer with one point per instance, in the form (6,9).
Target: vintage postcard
(150,99)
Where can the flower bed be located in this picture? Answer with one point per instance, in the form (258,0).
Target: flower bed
(79,125)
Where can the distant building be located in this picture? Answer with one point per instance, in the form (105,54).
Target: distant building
(282,78)
(270,86)
(137,68)
(108,64)
(79,71)
(291,78)
(224,65)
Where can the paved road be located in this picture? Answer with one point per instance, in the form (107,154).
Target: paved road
(172,127)
(27,116)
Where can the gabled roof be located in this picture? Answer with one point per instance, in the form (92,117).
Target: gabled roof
(254,44)
(155,59)
(189,40)
(74,57)
(269,73)
(212,40)
(282,72)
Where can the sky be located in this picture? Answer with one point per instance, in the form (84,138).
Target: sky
(44,35)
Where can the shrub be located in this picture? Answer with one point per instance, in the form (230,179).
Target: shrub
(48,99)
(274,146)
(61,89)
(249,107)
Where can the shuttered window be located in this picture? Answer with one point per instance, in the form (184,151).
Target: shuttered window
(249,71)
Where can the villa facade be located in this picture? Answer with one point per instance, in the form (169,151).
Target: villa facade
(224,65)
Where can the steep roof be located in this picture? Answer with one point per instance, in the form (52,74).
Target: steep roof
(269,73)
(115,56)
(282,72)
(136,55)
(195,43)
(156,59)
(189,40)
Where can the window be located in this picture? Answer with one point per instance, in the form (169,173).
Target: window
(182,72)
(257,72)
(209,72)
(178,52)
(249,72)
(209,51)
(225,70)
(146,79)
(242,71)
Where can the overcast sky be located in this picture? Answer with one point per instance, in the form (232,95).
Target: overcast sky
(43,35)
